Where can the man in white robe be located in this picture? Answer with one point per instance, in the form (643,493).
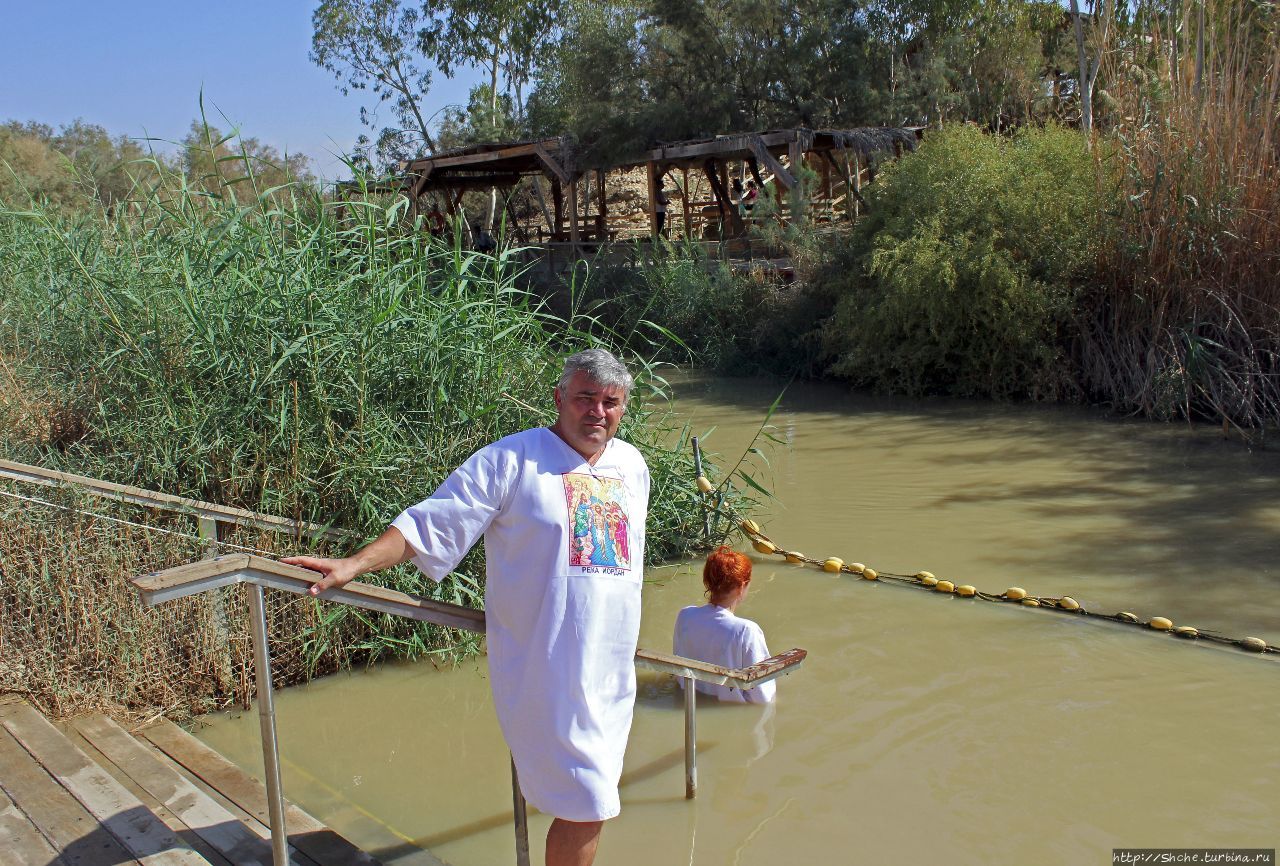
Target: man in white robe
(562,510)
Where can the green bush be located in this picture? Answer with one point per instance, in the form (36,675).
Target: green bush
(680,305)
(961,278)
(269,350)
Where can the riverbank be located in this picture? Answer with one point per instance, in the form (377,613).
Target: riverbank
(1044,265)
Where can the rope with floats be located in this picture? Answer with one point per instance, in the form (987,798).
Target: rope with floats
(926,580)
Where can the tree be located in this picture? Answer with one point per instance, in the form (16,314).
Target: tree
(213,161)
(374,45)
(1089,70)
(78,164)
(505,37)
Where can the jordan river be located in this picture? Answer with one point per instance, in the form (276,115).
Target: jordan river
(923,728)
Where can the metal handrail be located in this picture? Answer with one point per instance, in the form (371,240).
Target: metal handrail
(206,512)
(258,572)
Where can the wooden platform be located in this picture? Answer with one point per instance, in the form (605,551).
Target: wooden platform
(99,796)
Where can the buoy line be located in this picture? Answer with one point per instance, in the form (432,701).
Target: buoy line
(1013,595)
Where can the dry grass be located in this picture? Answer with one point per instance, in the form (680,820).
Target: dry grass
(1186,321)
(76,639)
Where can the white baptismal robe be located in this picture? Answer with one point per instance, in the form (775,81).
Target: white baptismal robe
(711,633)
(564,553)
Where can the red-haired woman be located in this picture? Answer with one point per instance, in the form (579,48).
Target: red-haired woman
(712,633)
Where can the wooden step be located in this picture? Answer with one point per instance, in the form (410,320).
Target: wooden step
(306,834)
(81,809)
(20,839)
(232,839)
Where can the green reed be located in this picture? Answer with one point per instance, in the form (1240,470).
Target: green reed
(279,350)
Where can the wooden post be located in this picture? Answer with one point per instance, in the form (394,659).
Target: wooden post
(702,497)
(558,201)
(573,217)
(652,171)
(728,213)
(688,219)
(849,201)
(826,184)
(857,184)
(796,157)
(603,221)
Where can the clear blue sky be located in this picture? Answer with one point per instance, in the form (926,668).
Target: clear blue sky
(137,69)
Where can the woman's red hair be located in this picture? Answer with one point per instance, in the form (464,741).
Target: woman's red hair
(725,572)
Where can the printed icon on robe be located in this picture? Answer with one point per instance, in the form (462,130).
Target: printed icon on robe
(598,517)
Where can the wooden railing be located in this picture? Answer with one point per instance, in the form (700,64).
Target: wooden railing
(258,572)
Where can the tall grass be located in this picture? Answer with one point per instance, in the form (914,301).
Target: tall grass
(1185,317)
(271,349)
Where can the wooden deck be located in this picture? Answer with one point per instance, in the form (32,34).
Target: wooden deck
(95,795)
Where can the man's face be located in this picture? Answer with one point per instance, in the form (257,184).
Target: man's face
(588,413)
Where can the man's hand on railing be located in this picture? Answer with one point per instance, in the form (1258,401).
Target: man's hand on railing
(387,550)
(337,572)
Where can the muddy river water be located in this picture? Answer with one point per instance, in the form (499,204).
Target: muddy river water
(923,728)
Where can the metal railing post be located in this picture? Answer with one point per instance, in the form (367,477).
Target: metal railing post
(690,739)
(267,723)
(522,818)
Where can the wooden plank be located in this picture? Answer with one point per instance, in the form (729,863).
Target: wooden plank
(481,158)
(21,842)
(552,163)
(763,155)
(224,570)
(723,146)
(202,847)
(195,809)
(120,812)
(307,834)
(795,156)
(603,217)
(651,174)
(573,214)
(54,812)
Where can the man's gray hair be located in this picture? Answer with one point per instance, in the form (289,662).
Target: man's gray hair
(600,366)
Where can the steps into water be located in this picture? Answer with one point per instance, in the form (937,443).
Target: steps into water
(96,795)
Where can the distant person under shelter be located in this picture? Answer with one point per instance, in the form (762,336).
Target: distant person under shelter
(713,633)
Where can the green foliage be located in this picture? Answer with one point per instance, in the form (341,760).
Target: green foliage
(74,167)
(372,46)
(963,274)
(681,306)
(256,348)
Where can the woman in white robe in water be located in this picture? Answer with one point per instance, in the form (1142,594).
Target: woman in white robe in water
(713,633)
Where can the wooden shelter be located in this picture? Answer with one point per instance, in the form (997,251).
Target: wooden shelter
(801,171)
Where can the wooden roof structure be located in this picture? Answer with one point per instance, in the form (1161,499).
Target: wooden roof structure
(773,156)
